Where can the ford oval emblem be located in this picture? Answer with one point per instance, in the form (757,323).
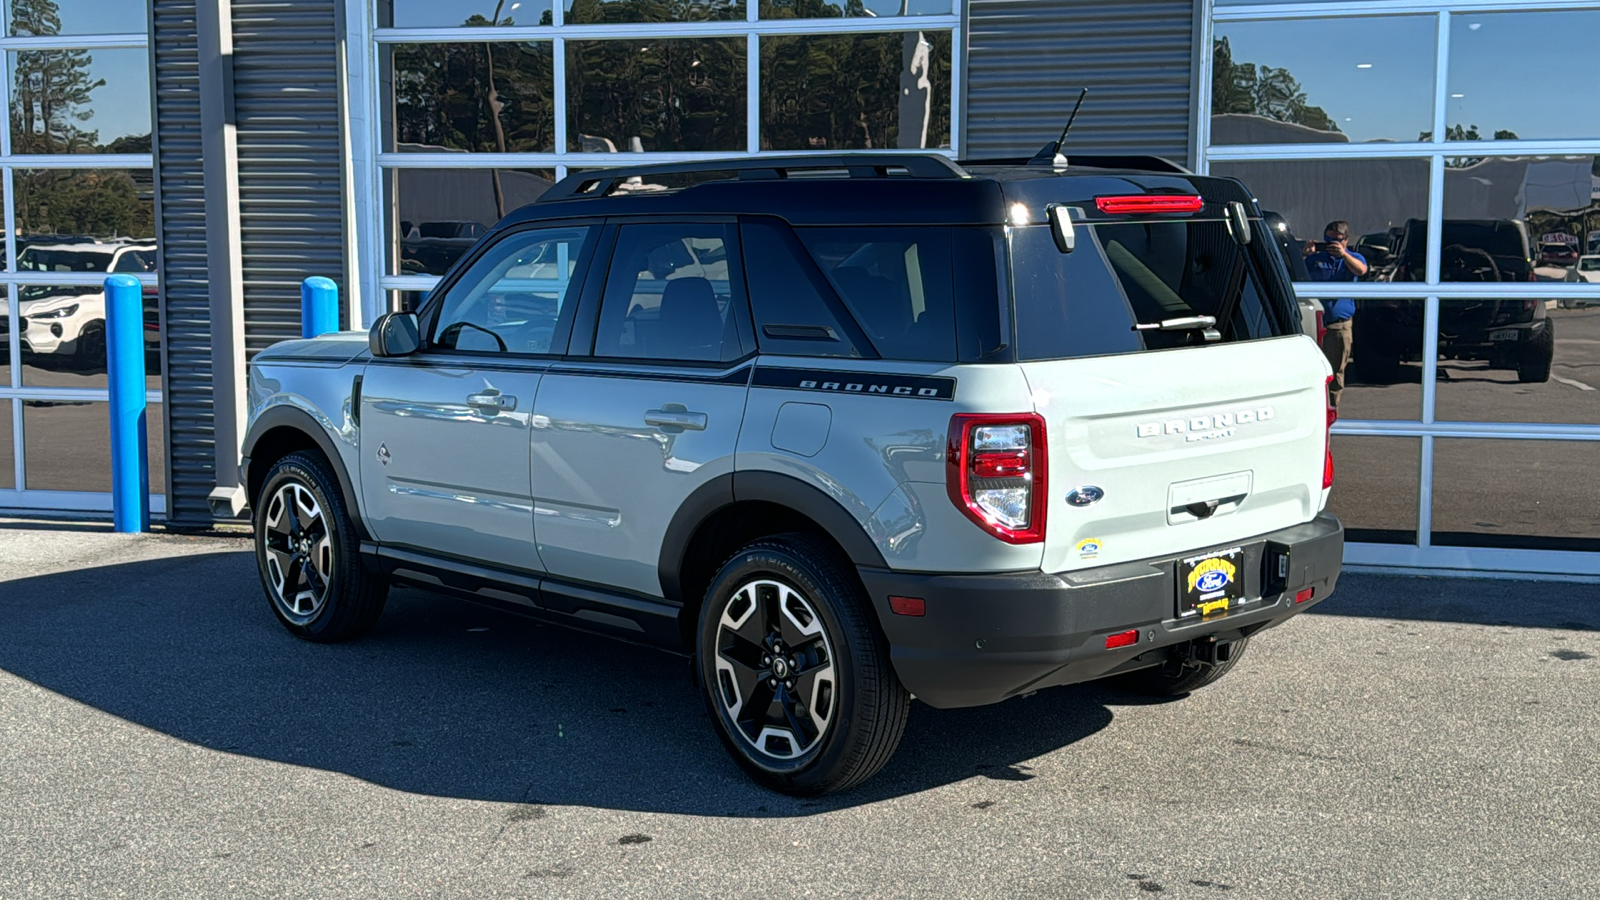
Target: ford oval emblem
(1085,495)
(1215,580)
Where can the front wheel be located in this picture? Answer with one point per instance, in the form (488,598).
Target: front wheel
(796,675)
(308,554)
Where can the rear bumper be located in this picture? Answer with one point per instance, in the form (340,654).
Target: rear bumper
(985,638)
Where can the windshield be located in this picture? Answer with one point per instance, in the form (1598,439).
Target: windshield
(35,260)
(1133,286)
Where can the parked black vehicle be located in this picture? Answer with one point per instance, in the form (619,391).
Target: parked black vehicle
(1508,333)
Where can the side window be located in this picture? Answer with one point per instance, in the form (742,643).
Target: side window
(132,261)
(510,299)
(792,316)
(897,283)
(668,295)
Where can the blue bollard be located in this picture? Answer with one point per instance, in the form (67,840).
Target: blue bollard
(319,306)
(130,460)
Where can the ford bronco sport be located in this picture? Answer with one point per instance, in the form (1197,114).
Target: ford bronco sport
(848,430)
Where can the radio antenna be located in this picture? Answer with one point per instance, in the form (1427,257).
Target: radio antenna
(1061,160)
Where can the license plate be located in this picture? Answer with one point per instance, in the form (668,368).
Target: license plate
(1504,334)
(1211,584)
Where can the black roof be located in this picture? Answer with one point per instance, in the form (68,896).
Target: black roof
(865,188)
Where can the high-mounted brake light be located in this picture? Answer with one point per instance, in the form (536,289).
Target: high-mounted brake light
(1150,203)
(1327,436)
(995,473)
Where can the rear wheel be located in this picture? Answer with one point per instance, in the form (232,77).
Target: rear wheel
(796,675)
(1171,680)
(1533,363)
(308,554)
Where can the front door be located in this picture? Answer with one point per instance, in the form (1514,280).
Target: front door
(622,436)
(445,431)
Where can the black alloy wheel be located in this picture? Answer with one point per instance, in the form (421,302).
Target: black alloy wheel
(796,672)
(308,554)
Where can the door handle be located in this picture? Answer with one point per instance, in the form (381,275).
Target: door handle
(492,402)
(666,418)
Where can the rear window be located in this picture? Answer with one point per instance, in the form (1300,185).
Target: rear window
(1162,275)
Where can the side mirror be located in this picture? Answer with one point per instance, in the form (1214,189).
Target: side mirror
(395,334)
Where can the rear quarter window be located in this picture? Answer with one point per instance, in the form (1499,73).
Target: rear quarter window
(897,284)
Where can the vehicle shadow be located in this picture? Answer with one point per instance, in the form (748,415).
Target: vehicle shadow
(1483,601)
(450,699)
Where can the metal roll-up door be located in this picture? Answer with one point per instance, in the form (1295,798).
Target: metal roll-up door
(286,104)
(1026,60)
(185,290)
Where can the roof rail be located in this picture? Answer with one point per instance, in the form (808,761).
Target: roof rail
(599,183)
(1136,162)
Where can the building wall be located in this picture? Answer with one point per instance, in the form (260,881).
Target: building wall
(1027,59)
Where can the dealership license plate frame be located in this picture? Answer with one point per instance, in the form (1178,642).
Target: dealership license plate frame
(1195,599)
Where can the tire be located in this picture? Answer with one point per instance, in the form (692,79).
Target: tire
(1161,681)
(306,545)
(90,353)
(788,600)
(1533,363)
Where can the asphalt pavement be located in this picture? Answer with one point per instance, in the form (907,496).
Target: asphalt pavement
(162,736)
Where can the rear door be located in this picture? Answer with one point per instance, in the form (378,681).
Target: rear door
(647,407)
(1167,434)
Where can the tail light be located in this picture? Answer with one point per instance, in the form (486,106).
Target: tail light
(1327,435)
(1322,329)
(995,472)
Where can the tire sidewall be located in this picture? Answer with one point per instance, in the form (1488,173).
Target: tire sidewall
(776,563)
(294,469)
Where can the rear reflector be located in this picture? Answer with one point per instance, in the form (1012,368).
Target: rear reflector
(1125,639)
(1150,203)
(908,606)
(1305,594)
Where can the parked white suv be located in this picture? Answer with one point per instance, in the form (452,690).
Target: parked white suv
(68,323)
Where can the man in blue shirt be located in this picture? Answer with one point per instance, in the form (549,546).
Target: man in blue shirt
(1333,260)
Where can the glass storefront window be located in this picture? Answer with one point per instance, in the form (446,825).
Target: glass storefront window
(1518,360)
(595,12)
(1511,76)
(65,446)
(1529,494)
(31,17)
(831,9)
(1520,218)
(469,13)
(80,101)
(855,91)
(1375,487)
(683,94)
(436,215)
(1380,199)
(59,207)
(63,333)
(1383,376)
(8,459)
(482,98)
(1346,80)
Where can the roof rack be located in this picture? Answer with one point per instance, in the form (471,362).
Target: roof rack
(761,168)
(1136,162)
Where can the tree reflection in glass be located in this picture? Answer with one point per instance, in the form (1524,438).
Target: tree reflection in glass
(683,94)
(855,91)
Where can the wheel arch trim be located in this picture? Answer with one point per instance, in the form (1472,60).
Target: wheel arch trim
(296,419)
(772,487)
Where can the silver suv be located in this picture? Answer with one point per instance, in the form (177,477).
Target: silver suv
(848,430)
